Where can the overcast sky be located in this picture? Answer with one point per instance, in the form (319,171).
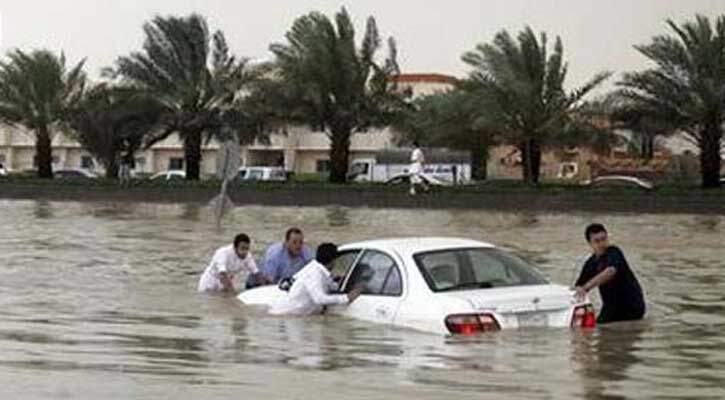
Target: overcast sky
(431,35)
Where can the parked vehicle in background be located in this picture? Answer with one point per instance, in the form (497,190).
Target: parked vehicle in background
(404,179)
(263,174)
(74,173)
(619,181)
(3,170)
(443,165)
(169,176)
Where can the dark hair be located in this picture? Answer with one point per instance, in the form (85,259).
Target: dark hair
(241,238)
(326,253)
(593,229)
(416,144)
(292,231)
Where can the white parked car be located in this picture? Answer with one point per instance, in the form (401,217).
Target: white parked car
(619,181)
(445,286)
(172,175)
(264,174)
(404,179)
(74,173)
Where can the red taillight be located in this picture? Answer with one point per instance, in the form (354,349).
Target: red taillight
(471,324)
(584,317)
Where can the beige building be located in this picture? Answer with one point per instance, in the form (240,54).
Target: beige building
(300,150)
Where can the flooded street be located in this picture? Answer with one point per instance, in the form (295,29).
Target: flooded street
(97,300)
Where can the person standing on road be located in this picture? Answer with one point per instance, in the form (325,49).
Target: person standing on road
(607,269)
(124,172)
(417,159)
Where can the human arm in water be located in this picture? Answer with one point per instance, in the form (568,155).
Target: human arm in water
(321,297)
(227,282)
(600,279)
(612,262)
(260,279)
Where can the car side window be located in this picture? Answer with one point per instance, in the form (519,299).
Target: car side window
(378,274)
(341,265)
(394,284)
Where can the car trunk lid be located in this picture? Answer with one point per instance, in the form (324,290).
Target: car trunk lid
(517,300)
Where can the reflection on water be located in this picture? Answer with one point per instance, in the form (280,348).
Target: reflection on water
(102,292)
(43,210)
(338,216)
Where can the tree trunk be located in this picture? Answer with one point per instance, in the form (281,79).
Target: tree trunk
(710,161)
(647,145)
(479,163)
(111,161)
(44,153)
(112,169)
(535,161)
(192,155)
(531,160)
(339,154)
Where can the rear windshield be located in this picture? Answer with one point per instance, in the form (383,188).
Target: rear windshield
(481,268)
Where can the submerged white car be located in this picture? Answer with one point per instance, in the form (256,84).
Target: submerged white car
(445,286)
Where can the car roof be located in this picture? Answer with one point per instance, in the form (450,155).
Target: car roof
(620,177)
(259,168)
(414,245)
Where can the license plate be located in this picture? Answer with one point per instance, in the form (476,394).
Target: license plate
(535,320)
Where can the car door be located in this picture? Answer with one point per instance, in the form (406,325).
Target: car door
(379,274)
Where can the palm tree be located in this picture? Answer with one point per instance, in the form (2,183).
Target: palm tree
(642,123)
(36,91)
(333,84)
(686,86)
(112,123)
(193,76)
(522,89)
(452,120)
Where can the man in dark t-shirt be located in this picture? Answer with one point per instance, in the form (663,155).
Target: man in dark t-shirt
(607,269)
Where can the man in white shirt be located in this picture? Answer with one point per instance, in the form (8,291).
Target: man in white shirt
(313,287)
(228,261)
(417,159)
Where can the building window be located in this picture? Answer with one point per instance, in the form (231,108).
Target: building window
(2,158)
(176,164)
(87,162)
(323,166)
(141,162)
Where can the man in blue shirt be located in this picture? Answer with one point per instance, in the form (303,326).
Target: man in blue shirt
(284,259)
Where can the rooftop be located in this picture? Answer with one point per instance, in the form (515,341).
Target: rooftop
(425,78)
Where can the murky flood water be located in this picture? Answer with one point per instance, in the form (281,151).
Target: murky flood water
(98,301)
